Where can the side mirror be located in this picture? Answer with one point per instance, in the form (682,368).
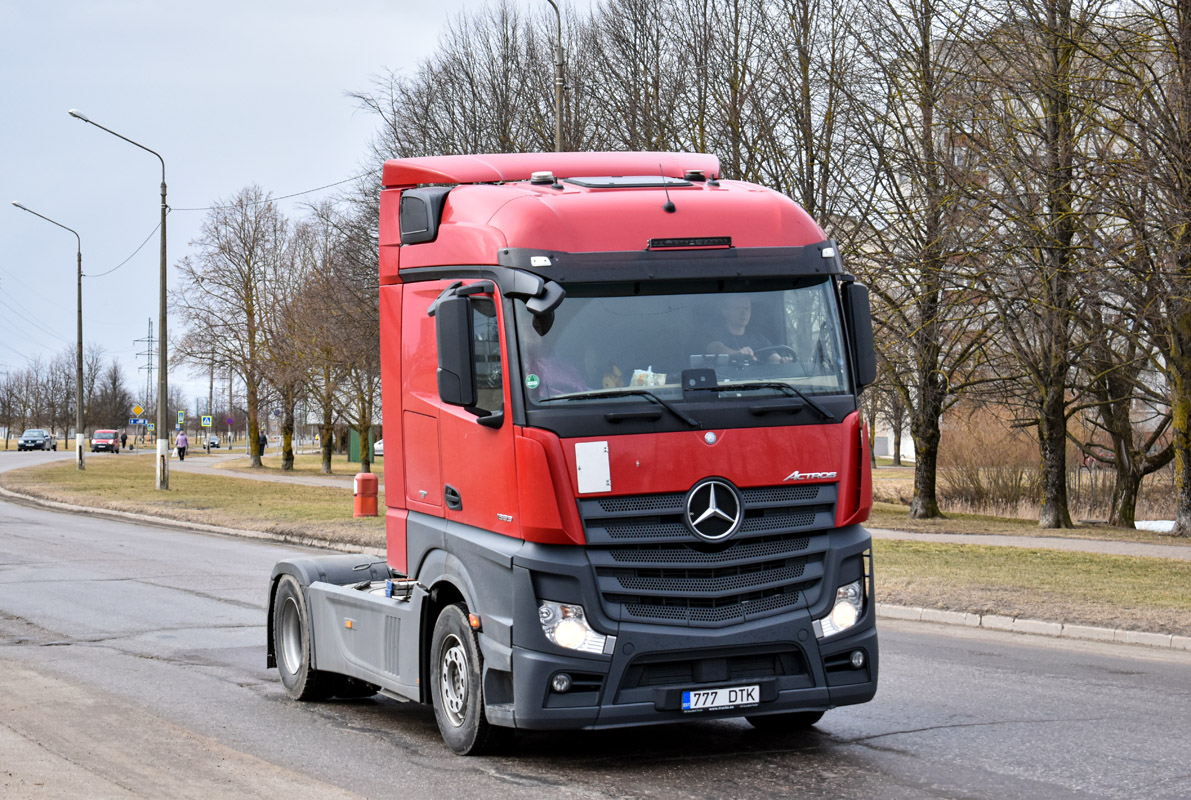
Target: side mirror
(860,326)
(456,373)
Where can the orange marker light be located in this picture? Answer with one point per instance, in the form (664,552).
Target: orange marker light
(347,623)
(474,621)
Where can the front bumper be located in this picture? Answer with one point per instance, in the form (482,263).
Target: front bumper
(643,682)
(642,677)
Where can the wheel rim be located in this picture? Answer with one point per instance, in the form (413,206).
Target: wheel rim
(291,636)
(453,680)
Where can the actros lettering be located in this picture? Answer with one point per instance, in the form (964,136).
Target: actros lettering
(808,476)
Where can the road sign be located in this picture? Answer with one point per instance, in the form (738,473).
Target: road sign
(231,421)
(137,421)
(206,420)
(138,410)
(181,417)
(152,426)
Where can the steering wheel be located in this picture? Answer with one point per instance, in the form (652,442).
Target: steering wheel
(785,350)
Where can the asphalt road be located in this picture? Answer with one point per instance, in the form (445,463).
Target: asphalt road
(132,664)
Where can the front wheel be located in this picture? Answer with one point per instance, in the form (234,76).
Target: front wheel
(291,643)
(795,720)
(456,667)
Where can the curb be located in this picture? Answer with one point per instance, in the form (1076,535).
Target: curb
(993,622)
(1037,627)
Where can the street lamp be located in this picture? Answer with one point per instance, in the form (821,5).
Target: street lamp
(163,459)
(558,80)
(78,395)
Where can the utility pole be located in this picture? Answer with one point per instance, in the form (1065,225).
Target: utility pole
(559,80)
(149,354)
(210,405)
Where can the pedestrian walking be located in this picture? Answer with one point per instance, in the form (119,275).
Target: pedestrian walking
(263,442)
(123,439)
(182,443)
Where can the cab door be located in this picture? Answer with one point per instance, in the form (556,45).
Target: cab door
(478,466)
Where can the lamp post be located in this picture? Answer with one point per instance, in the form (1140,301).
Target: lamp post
(163,436)
(559,83)
(78,395)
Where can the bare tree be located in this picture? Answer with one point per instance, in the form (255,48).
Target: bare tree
(222,289)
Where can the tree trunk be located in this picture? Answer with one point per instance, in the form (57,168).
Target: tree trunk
(1180,403)
(254,425)
(925,429)
(1052,440)
(327,442)
(1124,498)
(363,428)
(287,430)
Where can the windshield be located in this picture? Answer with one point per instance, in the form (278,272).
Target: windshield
(33,432)
(756,337)
(105,434)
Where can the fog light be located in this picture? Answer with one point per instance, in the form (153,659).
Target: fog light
(566,626)
(857,659)
(561,683)
(849,605)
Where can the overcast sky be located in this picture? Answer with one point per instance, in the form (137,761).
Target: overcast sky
(230,94)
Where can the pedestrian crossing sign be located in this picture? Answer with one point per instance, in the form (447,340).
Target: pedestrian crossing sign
(206,420)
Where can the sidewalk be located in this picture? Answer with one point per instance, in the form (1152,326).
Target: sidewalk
(1107,546)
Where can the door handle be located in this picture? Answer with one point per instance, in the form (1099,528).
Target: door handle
(454,499)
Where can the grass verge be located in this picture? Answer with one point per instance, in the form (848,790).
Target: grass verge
(125,483)
(1146,594)
(307,464)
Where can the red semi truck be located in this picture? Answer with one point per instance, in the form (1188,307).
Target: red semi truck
(626,473)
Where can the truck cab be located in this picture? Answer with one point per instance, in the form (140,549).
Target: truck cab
(627,473)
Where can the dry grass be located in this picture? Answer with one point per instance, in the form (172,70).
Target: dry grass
(1147,594)
(307,464)
(893,489)
(125,483)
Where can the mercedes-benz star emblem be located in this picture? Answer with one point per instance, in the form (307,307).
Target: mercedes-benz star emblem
(713,509)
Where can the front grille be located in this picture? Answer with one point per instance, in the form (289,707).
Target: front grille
(651,568)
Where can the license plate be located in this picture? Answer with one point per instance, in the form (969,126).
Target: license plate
(720,699)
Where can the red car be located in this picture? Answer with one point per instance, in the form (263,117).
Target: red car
(105,440)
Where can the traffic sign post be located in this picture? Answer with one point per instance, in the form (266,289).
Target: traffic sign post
(206,421)
(181,417)
(138,410)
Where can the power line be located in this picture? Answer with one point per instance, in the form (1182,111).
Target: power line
(29,319)
(284,196)
(125,261)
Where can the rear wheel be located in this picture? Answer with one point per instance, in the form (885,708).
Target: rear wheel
(456,669)
(793,721)
(291,643)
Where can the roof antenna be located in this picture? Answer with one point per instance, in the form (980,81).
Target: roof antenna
(669,208)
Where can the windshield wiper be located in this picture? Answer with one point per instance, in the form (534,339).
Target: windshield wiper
(782,387)
(694,423)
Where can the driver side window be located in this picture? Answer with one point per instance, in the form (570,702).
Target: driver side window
(489,366)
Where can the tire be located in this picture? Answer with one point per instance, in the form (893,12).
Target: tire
(455,686)
(291,644)
(795,720)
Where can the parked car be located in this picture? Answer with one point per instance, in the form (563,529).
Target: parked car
(108,441)
(213,442)
(378,449)
(37,439)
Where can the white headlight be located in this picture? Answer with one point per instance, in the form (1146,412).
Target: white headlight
(566,626)
(849,605)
